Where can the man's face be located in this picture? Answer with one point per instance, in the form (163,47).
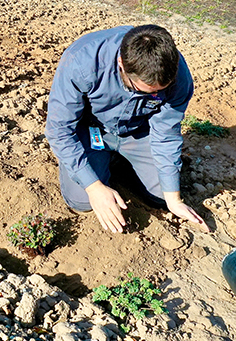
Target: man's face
(137,85)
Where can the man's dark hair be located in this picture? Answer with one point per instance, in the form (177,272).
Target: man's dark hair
(149,53)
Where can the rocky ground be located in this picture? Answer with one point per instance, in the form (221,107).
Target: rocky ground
(26,301)
(180,258)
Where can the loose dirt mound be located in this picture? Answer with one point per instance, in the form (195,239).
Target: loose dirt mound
(185,261)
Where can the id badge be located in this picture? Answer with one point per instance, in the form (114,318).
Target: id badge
(96,138)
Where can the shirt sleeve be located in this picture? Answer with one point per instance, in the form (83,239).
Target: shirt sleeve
(65,109)
(165,131)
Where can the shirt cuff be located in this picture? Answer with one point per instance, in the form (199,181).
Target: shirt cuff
(85,176)
(170,183)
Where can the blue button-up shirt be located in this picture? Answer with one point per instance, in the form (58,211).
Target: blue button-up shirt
(88,70)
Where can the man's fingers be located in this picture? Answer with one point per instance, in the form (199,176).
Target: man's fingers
(197,219)
(119,200)
(110,221)
(202,223)
(107,204)
(117,217)
(106,224)
(188,213)
(102,222)
(205,226)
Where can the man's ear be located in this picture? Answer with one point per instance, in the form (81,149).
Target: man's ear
(120,62)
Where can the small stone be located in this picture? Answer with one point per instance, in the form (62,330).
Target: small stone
(48,321)
(198,161)
(200,188)
(3,337)
(229,176)
(2,276)
(16,280)
(219,186)
(207,147)
(98,333)
(54,294)
(199,251)
(66,328)
(44,305)
(8,290)
(29,332)
(169,216)
(199,176)
(51,301)
(88,311)
(62,308)
(4,302)
(4,319)
(193,175)
(200,169)
(36,279)
(41,104)
(210,187)
(26,310)
(191,150)
(142,329)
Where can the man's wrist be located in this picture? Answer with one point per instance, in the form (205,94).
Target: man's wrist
(172,197)
(94,186)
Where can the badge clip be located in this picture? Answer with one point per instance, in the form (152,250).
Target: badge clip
(96,138)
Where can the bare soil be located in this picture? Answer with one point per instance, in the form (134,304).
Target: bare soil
(180,258)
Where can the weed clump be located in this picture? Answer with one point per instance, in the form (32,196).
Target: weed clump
(191,123)
(134,296)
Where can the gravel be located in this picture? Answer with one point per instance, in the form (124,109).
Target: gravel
(31,309)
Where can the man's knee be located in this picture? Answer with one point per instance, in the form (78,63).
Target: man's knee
(74,195)
(83,206)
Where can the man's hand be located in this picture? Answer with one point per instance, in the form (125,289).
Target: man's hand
(181,210)
(107,204)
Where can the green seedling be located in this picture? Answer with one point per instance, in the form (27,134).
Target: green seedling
(133,296)
(147,6)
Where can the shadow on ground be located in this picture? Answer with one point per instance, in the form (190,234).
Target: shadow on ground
(13,264)
(72,285)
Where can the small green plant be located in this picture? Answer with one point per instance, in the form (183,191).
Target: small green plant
(134,296)
(203,127)
(32,232)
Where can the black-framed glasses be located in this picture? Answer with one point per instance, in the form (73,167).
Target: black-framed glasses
(138,91)
(133,86)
